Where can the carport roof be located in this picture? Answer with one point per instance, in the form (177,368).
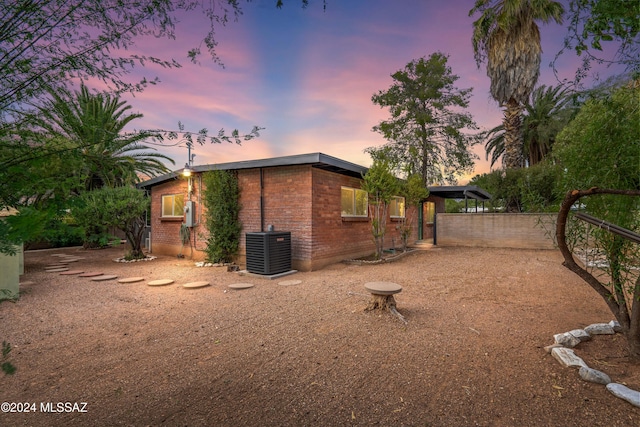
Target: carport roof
(460,192)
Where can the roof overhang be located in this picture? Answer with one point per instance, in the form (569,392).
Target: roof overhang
(316,160)
(460,192)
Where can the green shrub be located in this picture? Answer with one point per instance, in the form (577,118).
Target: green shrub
(222,200)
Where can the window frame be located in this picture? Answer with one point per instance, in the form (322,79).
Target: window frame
(404,207)
(354,203)
(173,208)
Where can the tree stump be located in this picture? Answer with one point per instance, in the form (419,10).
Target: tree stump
(382,297)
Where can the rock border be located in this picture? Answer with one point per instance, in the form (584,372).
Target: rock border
(562,351)
(123,260)
(390,258)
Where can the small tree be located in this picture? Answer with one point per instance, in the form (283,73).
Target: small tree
(413,191)
(120,207)
(221,198)
(600,155)
(381,185)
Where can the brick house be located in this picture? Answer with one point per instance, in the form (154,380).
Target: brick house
(316,197)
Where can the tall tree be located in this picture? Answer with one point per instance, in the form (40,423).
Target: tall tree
(545,114)
(52,45)
(507,38)
(426,128)
(94,125)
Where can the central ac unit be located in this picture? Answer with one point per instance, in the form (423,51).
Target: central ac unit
(268,252)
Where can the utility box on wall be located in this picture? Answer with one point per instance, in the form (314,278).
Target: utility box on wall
(190,213)
(268,252)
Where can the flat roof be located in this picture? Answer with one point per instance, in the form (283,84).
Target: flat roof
(459,192)
(317,160)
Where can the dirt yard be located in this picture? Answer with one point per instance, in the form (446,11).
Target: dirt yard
(471,353)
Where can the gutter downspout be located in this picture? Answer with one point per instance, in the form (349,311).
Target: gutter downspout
(261,200)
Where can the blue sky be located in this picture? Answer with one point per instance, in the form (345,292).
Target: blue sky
(307,75)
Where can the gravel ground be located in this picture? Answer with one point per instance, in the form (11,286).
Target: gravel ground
(471,353)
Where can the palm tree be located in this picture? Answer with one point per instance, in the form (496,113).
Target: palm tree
(547,112)
(507,37)
(94,126)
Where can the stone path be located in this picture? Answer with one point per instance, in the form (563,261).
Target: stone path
(238,286)
(71,272)
(562,351)
(131,280)
(161,282)
(62,267)
(194,285)
(103,278)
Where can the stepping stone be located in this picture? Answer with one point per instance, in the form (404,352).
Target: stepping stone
(193,285)
(57,270)
(66,260)
(290,282)
(58,255)
(71,272)
(241,286)
(161,282)
(131,280)
(383,288)
(104,277)
(27,283)
(92,274)
(51,266)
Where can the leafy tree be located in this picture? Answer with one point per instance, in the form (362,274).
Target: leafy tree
(221,198)
(50,43)
(545,114)
(594,22)
(426,128)
(414,191)
(381,185)
(49,46)
(532,189)
(93,124)
(84,134)
(507,38)
(120,207)
(600,155)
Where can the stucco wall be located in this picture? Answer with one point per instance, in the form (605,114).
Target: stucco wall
(526,231)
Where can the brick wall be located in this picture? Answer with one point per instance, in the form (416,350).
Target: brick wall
(526,231)
(336,238)
(300,199)
(286,205)
(165,232)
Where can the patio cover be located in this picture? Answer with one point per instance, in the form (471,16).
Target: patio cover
(460,192)
(465,192)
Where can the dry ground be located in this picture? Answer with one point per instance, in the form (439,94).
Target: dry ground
(308,355)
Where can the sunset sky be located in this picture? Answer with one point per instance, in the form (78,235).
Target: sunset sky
(307,75)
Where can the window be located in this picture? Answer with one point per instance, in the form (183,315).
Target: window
(429,212)
(173,205)
(354,202)
(396,207)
